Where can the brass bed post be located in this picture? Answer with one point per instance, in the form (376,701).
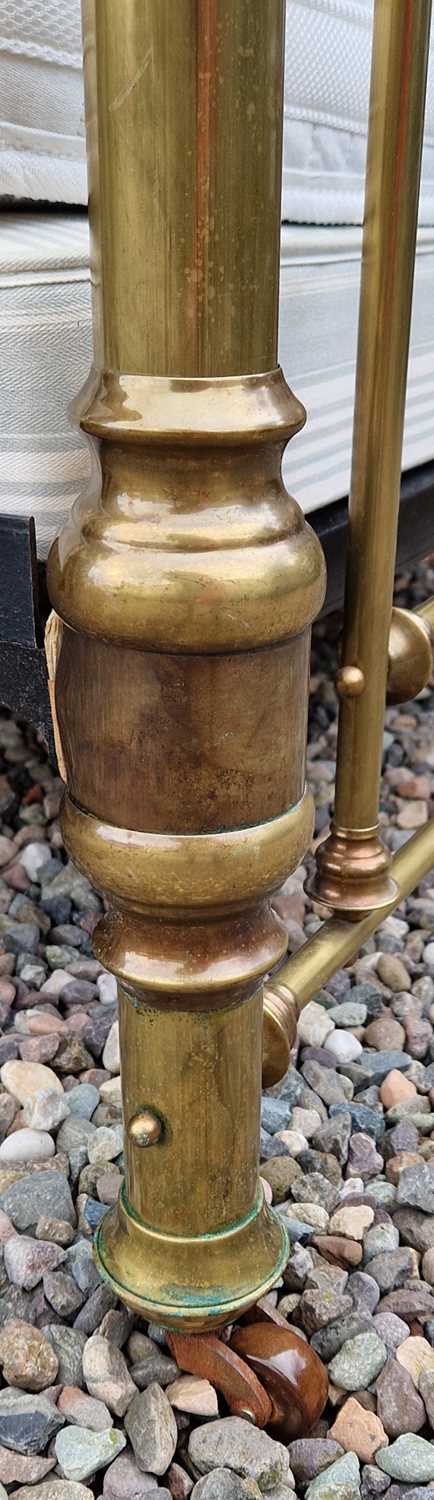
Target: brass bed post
(353,867)
(385,651)
(186,590)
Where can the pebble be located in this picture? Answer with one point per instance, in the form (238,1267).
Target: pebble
(341,1481)
(192,1394)
(27,1422)
(30,1197)
(25,1079)
(106,1374)
(26,1259)
(53,1489)
(27,1358)
(27,1145)
(398,1404)
(105,1144)
(111,1054)
(390,1329)
(23,1469)
(416,1355)
(352,1221)
(46,1110)
(62,1293)
(416,1187)
(314,1025)
(80,1452)
(83,1410)
(123,1480)
(310,1456)
(358,1430)
(345,1047)
(410,1459)
(151,1427)
(358,1362)
(68,1344)
(222,1485)
(233,1443)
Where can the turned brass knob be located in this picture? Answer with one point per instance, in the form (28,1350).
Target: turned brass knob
(145,1129)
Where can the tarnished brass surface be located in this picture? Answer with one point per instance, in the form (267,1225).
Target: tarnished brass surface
(336,943)
(279,1031)
(352,868)
(189,873)
(410,654)
(187,581)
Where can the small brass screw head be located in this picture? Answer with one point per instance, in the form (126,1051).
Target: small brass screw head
(145,1129)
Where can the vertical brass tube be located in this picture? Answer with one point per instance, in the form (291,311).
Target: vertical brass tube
(352,871)
(187,588)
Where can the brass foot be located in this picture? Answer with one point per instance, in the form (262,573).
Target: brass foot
(192,1284)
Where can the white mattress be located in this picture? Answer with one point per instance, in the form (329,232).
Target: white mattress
(45,354)
(328,44)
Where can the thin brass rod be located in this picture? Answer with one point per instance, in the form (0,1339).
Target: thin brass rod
(336,943)
(353,866)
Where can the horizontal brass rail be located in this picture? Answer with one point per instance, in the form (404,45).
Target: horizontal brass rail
(336,943)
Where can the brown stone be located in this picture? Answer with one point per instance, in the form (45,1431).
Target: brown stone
(359,1431)
(338,1250)
(28,1359)
(396,1087)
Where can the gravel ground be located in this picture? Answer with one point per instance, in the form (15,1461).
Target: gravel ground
(90,1400)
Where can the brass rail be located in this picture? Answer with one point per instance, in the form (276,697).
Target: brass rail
(336,943)
(353,874)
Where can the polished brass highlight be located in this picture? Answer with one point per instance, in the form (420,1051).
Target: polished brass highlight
(336,943)
(353,869)
(186,582)
(410,653)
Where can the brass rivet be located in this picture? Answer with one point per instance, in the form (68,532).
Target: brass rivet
(350,682)
(145,1129)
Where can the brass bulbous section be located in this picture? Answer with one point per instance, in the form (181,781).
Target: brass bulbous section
(410,655)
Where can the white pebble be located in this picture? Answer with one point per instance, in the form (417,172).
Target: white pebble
(33,856)
(56,982)
(107,987)
(111,1055)
(314,1025)
(344,1046)
(24,1079)
(111,1090)
(306,1120)
(294,1141)
(353,1186)
(27,1145)
(45,1110)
